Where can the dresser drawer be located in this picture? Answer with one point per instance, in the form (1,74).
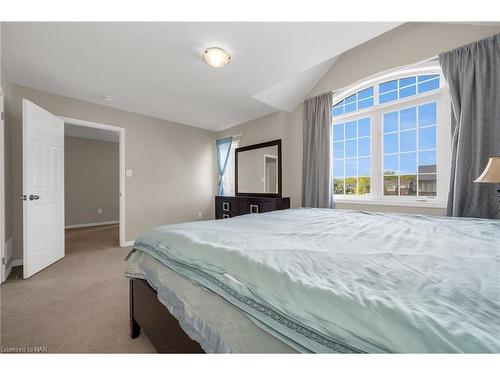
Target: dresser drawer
(228,205)
(249,206)
(224,215)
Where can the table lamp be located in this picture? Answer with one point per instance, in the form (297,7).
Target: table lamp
(491,173)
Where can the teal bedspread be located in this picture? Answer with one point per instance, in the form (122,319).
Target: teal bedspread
(348,281)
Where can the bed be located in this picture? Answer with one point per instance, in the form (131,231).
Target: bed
(319,281)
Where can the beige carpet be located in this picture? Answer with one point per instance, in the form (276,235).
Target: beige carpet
(77,305)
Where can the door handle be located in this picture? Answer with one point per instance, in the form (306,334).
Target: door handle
(34,197)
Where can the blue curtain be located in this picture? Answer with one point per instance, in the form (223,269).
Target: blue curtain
(223,148)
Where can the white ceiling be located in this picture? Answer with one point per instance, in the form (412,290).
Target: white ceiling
(156,68)
(79,131)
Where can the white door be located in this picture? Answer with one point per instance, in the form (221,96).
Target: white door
(43,188)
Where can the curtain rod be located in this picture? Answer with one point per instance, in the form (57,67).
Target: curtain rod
(234,136)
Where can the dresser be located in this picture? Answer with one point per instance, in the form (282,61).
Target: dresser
(226,207)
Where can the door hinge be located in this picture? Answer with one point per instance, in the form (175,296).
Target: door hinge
(3,261)
(2,116)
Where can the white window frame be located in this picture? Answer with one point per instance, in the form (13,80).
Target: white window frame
(443,138)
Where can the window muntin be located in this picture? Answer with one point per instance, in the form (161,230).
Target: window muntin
(352,157)
(406,167)
(409,151)
(405,87)
(355,102)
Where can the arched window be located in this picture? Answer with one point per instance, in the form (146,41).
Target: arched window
(391,139)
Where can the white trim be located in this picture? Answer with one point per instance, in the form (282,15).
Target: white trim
(127,243)
(85,225)
(3,255)
(16,262)
(121,143)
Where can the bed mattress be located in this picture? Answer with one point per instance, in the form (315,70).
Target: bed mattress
(348,281)
(207,318)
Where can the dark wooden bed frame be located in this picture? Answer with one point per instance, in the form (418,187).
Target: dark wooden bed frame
(148,314)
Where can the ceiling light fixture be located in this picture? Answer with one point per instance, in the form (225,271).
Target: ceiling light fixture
(216,57)
(108,98)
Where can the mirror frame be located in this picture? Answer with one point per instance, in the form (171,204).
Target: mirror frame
(276,142)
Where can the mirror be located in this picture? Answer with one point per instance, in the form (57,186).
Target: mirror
(258,169)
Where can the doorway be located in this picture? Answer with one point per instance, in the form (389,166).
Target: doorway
(93,137)
(270,173)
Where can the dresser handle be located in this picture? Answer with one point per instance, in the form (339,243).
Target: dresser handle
(225,216)
(225,206)
(254,208)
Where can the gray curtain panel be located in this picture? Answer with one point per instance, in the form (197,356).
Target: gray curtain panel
(473,75)
(316,169)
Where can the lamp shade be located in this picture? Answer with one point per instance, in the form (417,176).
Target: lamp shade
(491,173)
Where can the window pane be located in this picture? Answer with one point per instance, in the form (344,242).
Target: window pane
(366,93)
(338,111)
(365,103)
(364,127)
(427,77)
(427,161)
(391,164)
(427,185)
(350,130)
(408,163)
(364,166)
(338,150)
(407,91)
(388,86)
(363,185)
(364,147)
(351,185)
(391,185)
(388,97)
(338,132)
(408,141)
(390,143)
(338,168)
(428,86)
(350,107)
(408,118)
(350,149)
(338,186)
(350,99)
(427,138)
(390,122)
(351,169)
(408,185)
(427,114)
(407,81)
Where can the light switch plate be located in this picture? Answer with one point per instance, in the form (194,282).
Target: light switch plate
(129,172)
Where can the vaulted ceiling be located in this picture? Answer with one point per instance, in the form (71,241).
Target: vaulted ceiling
(156,68)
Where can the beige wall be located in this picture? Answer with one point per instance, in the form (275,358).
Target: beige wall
(91,181)
(7,88)
(173,164)
(407,44)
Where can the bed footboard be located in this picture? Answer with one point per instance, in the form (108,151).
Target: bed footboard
(153,318)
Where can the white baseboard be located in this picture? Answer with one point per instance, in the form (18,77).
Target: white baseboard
(16,262)
(91,224)
(127,243)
